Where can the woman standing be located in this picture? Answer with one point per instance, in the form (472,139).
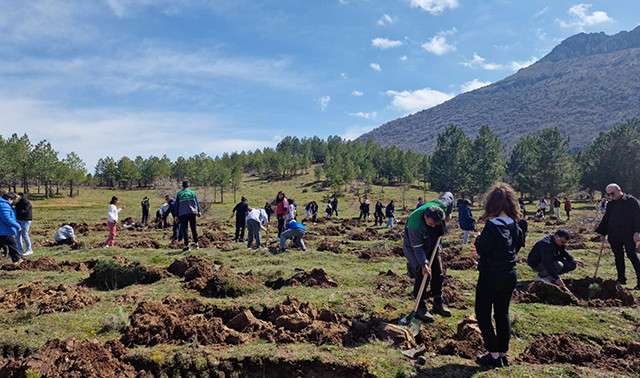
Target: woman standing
(465,219)
(112,222)
(497,246)
(282,209)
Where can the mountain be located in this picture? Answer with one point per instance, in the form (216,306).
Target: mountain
(585,85)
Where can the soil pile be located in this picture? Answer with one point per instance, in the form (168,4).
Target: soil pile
(210,280)
(376,329)
(45,300)
(315,278)
(366,235)
(467,341)
(141,244)
(72,358)
(333,230)
(392,285)
(330,246)
(452,258)
(46,264)
(584,351)
(380,250)
(118,273)
(586,291)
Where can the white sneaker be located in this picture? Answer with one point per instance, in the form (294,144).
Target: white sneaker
(27,253)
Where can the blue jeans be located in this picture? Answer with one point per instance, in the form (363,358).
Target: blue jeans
(390,222)
(24,241)
(295,235)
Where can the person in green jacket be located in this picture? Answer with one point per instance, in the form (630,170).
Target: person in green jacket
(188,208)
(423,228)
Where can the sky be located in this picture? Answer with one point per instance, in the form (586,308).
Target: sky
(180,77)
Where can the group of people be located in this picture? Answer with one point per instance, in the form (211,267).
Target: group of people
(497,246)
(15,222)
(553,206)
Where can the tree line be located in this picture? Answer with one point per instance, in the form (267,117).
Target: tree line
(539,164)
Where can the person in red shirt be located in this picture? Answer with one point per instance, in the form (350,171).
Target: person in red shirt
(282,209)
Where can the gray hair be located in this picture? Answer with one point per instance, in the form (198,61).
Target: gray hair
(613,186)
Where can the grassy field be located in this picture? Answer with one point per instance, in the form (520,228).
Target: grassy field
(358,294)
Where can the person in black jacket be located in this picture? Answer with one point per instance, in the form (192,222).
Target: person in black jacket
(390,213)
(24,216)
(549,258)
(497,246)
(621,225)
(240,210)
(334,205)
(378,213)
(145,205)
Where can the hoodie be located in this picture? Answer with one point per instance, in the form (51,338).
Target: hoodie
(546,253)
(498,245)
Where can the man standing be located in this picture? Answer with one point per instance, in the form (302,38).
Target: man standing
(568,207)
(24,216)
(145,210)
(240,210)
(334,204)
(9,226)
(621,226)
(423,228)
(187,207)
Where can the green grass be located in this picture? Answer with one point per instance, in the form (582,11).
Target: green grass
(356,294)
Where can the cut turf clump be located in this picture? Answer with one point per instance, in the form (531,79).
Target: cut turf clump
(113,275)
(37,298)
(586,292)
(315,278)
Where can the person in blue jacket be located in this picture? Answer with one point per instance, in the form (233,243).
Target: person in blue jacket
(295,231)
(465,219)
(9,227)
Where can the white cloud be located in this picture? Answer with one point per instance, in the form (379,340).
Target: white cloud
(384,43)
(582,16)
(375,67)
(404,58)
(385,20)
(324,102)
(435,7)
(99,132)
(354,132)
(541,12)
(357,93)
(518,65)
(365,115)
(473,85)
(438,45)
(413,101)
(479,62)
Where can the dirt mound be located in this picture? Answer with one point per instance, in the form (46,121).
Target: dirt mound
(392,285)
(218,239)
(394,234)
(586,291)
(333,230)
(467,341)
(116,274)
(210,280)
(380,250)
(330,246)
(584,351)
(141,244)
(452,290)
(452,258)
(45,300)
(376,329)
(43,264)
(314,278)
(73,358)
(366,235)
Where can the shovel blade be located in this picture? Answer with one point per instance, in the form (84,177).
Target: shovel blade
(414,352)
(415,326)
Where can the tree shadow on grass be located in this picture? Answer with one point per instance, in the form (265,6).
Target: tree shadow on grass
(450,370)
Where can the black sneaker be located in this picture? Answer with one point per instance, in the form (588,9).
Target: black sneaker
(488,361)
(424,315)
(622,281)
(186,249)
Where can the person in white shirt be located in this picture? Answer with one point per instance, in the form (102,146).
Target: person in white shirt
(256,220)
(291,214)
(64,235)
(112,222)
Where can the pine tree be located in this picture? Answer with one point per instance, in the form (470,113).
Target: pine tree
(450,161)
(487,163)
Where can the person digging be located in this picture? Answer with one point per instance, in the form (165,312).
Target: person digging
(550,259)
(423,228)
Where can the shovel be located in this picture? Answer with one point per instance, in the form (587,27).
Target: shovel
(595,275)
(411,320)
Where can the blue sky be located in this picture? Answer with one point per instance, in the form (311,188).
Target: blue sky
(115,77)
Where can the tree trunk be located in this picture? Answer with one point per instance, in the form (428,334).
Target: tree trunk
(221,194)
(71,188)
(234,195)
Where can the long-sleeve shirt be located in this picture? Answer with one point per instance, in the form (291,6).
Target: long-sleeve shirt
(421,237)
(64,233)
(258,215)
(187,202)
(498,245)
(112,214)
(621,219)
(545,253)
(240,210)
(8,224)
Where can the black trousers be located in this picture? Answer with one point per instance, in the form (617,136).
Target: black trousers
(493,292)
(11,245)
(280,224)
(145,216)
(188,221)
(435,286)
(619,247)
(240,228)
(379,218)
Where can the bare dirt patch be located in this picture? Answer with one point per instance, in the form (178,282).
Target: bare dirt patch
(329,245)
(45,300)
(119,272)
(586,292)
(452,258)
